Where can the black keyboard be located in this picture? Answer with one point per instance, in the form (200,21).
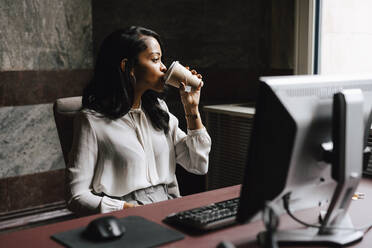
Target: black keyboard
(216,215)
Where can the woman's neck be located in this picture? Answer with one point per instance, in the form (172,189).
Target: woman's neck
(136,106)
(137,100)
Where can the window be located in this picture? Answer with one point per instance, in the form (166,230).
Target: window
(333,36)
(345,37)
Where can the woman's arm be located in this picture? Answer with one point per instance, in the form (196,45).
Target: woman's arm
(81,169)
(190,101)
(191,150)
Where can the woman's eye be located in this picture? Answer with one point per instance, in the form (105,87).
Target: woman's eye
(155,59)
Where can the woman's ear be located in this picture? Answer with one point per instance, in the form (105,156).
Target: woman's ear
(122,64)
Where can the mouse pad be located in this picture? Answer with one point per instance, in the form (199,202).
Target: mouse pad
(139,233)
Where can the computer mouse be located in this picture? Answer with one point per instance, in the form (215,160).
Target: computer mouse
(104,228)
(225,244)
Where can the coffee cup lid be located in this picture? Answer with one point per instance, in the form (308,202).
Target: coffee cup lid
(170,69)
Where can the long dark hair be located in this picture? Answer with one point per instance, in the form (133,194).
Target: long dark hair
(111,91)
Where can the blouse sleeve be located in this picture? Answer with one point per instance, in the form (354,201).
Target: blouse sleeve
(80,172)
(192,150)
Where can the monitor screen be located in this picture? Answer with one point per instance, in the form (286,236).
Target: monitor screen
(293,119)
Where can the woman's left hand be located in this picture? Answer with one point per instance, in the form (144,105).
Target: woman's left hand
(190,100)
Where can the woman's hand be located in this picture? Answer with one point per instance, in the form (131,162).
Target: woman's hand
(129,205)
(190,100)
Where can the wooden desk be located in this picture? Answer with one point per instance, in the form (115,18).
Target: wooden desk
(360,212)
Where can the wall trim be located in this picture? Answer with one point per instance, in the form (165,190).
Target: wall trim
(37,87)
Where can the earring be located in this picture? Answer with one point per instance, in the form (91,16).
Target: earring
(132,78)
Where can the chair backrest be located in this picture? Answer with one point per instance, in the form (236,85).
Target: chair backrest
(64,110)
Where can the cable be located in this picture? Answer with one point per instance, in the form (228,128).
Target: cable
(286,207)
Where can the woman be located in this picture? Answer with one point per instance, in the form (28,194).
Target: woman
(126,142)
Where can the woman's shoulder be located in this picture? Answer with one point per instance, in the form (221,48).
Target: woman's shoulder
(92,120)
(90,115)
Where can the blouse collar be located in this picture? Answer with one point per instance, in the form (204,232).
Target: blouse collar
(136,110)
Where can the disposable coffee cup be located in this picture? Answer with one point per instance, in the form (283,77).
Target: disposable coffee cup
(177,73)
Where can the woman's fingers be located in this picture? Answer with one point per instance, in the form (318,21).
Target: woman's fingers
(182,86)
(194,72)
(129,205)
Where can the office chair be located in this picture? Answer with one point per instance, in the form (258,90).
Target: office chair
(64,110)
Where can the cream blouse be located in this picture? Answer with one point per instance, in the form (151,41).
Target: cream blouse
(116,157)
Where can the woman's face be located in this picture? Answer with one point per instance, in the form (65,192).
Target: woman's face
(150,70)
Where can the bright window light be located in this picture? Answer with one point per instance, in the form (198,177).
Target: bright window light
(345,37)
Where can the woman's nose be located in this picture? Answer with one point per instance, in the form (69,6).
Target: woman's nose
(163,68)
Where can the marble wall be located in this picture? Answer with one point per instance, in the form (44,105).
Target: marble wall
(29,141)
(45,34)
(47,39)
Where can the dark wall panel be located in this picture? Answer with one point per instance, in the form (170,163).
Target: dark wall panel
(36,87)
(218,34)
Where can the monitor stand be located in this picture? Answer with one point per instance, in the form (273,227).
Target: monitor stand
(347,163)
(311,235)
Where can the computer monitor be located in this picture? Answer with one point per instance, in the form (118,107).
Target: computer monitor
(306,149)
